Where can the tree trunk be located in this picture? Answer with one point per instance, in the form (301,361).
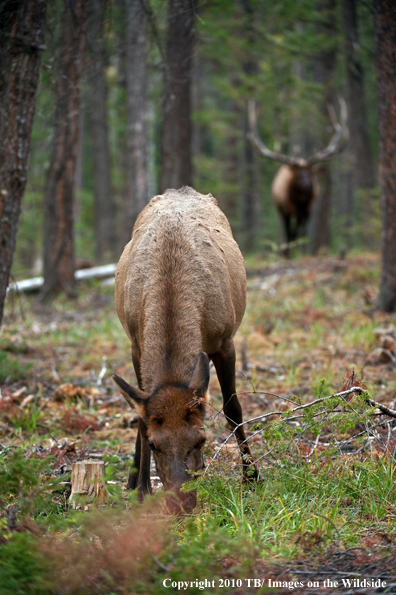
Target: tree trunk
(176,134)
(359,150)
(21,44)
(136,79)
(320,219)
(299,133)
(250,201)
(343,185)
(324,69)
(357,113)
(385,49)
(103,202)
(79,177)
(60,186)
(228,200)
(120,157)
(199,130)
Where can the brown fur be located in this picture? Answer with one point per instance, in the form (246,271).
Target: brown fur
(295,186)
(180,291)
(181,276)
(294,191)
(285,188)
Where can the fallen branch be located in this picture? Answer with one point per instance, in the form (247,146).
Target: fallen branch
(382,351)
(383,408)
(264,416)
(35,284)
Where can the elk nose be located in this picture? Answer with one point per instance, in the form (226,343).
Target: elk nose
(182,502)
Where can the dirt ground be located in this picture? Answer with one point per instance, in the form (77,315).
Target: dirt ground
(307,319)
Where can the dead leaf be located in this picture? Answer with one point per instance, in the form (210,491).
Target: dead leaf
(28,400)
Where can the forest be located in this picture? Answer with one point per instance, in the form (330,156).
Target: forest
(105,104)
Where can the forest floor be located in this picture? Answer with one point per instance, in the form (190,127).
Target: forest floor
(325,508)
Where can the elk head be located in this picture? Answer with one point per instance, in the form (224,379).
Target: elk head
(173,417)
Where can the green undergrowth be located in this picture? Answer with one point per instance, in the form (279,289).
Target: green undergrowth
(296,509)
(330,505)
(12,368)
(306,329)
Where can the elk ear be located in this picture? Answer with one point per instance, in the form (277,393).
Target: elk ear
(135,397)
(200,376)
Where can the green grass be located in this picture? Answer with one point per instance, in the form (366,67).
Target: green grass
(23,569)
(12,368)
(302,508)
(28,419)
(296,509)
(359,336)
(333,502)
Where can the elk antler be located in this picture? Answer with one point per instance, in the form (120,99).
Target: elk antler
(337,142)
(340,137)
(256,141)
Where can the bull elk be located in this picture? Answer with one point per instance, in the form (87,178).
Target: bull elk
(180,293)
(295,186)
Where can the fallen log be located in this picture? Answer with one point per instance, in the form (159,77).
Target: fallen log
(35,284)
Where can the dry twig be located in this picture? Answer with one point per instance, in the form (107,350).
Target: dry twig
(343,394)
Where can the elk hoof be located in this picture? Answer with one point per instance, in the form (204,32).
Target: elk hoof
(250,473)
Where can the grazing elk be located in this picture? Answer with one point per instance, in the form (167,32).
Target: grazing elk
(295,186)
(180,292)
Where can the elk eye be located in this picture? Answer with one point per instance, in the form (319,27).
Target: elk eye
(152,445)
(200,443)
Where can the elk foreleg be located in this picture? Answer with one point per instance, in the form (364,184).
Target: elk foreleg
(143,452)
(288,233)
(302,226)
(139,478)
(224,363)
(134,474)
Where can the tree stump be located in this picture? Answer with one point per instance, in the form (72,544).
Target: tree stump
(88,485)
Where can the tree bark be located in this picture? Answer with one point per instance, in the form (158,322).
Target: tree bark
(324,69)
(385,49)
(228,200)
(21,44)
(79,177)
(103,202)
(357,116)
(199,130)
(343,186)
(60,187)
(176,134)
(136,79)
(120,159)
(299,134)
(250,200)
(250,203)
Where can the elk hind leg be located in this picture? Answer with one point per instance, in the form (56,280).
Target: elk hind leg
(224,363)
